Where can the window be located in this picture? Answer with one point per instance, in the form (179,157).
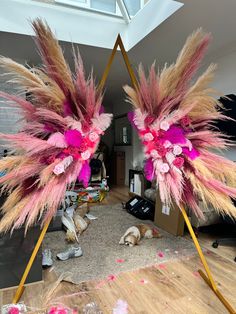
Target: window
(123,130)
(132,6)
(108,6)
(125,134)
(104,5)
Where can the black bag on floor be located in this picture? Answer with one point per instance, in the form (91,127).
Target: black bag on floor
(140,208)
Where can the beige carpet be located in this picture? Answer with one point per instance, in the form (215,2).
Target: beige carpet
(103,256)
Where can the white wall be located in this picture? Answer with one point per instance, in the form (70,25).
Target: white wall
(225,80)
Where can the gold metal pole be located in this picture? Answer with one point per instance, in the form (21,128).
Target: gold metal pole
(21,288)
(120,44)
(208,279)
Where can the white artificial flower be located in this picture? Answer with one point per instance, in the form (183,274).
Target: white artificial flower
(148,137)
(177,150)
(93,137)
(164,125)
(85,155)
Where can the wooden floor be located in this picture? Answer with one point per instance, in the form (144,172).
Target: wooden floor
(173,287)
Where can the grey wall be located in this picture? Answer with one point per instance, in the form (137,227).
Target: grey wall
(9,114)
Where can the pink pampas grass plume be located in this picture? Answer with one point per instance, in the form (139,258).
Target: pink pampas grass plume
(85,174)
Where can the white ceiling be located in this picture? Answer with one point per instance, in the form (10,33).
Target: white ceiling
(162,44)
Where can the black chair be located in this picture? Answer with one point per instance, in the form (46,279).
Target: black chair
(227,240)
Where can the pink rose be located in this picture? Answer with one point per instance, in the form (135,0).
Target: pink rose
(148,137)
(14,310)
(185,121)
(58,310)
(164,168)
(85,155)
(177,150)
(164,125)
(93,137)
(161,150)
(178,162)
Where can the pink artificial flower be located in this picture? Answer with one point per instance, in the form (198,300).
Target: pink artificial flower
(14,310)
(93,137)
(111,277)
(83,147)
(73,138)
(149,169)
(161,150)
(185,121)
(192,154)
(148,137)
(178,162)
(149,120)
(51,159)
(63,165)
(85,155)
(59,169)
(177,150)
(164,125)
(164,168)
(58,310)
(120,260)
(86,127)
(160,254)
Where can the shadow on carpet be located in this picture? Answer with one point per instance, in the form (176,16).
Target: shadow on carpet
(103,256)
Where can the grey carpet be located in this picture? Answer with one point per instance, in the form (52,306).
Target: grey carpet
(101,249)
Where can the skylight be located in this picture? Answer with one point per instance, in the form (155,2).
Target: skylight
(89,22)
(123,8)
(104,6)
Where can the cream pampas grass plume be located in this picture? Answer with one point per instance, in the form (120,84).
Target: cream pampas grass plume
(64,121)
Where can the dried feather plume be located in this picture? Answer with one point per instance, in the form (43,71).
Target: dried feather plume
(62,129)
(174,121)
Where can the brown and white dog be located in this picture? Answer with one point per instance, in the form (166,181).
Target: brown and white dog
(134,234)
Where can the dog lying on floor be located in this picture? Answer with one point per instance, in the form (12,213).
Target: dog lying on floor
(134,234)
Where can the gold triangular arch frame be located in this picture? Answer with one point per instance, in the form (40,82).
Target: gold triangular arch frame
(208,278)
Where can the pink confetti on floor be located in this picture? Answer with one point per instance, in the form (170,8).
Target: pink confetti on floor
(160,254)
(143,281)
(208,252)
(111,278)
(120,260)
(162,266)
(196,274)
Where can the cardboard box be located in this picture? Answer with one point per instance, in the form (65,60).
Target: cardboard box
(169,219)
